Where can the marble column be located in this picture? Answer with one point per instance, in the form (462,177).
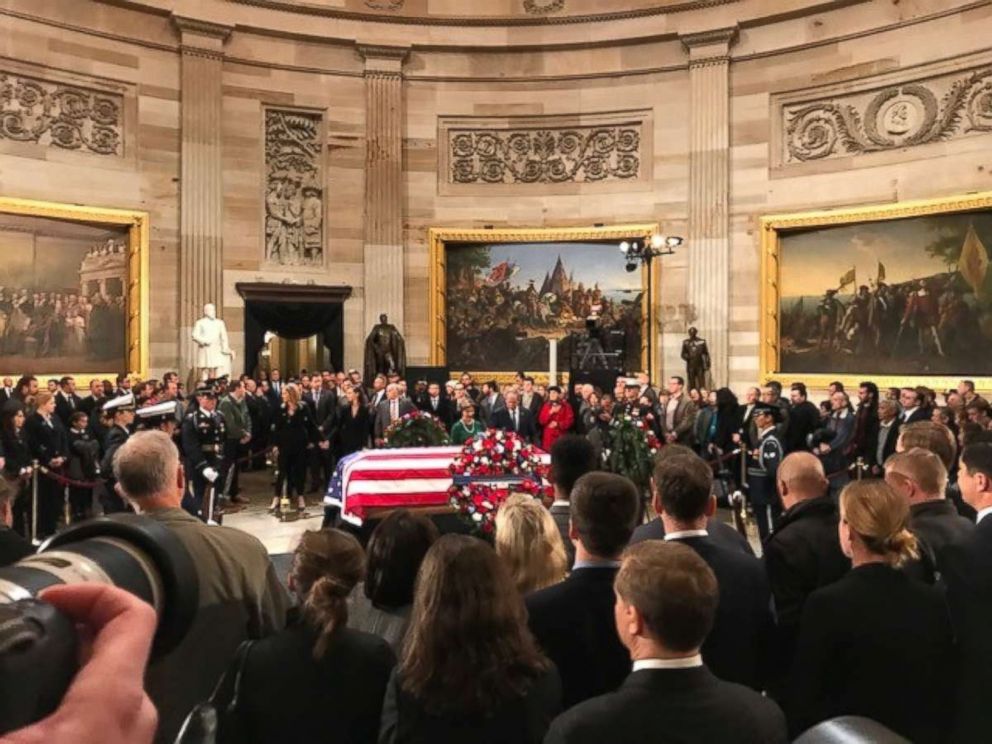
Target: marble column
(708,234)
(383,255)
(201,188)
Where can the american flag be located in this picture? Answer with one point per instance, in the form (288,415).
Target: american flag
(394,478)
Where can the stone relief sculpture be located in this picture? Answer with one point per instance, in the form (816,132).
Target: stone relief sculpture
(60,115)
(294,189)
(579,154)
(540,7)
(915,113)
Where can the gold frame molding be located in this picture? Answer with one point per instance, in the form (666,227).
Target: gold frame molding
(439,237)
(771,228)
(137,275)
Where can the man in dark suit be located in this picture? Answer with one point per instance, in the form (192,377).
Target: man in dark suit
(572,457)
(7,391)
(736,649)
(530,399)
(573,621)
(912,409)
(66,400)
(670,695)
(804,419)
(968,576)
(490,402)
(720,532)
(514,418)
(436,404)
(803,553)
(390,409)
(887,437)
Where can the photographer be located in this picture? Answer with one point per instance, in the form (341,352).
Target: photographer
(106,702)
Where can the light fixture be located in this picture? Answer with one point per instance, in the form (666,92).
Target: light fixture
(624,247)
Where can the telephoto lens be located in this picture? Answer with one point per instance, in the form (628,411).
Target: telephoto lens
(38,645)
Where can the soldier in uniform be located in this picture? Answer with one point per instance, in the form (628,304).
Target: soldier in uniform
(121,412)
(161,417)
(762,467)
(202,439)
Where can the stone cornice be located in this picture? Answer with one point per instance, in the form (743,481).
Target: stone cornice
(200,27)
(199,38)
(711,46)
(383,60)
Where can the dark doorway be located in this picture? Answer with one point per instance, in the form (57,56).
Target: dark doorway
(294,312)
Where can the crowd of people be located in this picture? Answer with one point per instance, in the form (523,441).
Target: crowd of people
(869,594)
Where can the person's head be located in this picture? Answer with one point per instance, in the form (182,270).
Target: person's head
(512,399)
(631,392)
(975,475)
(800,477)
(466,379)
(96,388)
(468,649)
(78,420)
(27,385)
(124,382)
(291,395)
(236,389)
(752,395)
(554,394)
(528,385)
(873,524)
(682,485)
(917,475)
(603,513)
(44,403)
(8,382)
(867,394)
(666,600)
(835,387)
(68,385)
(434,390)
(327,564)
(927,435)
(797,393)
(52,386)
(586,390)
(977,412)
(954,401)
(888,409)
(675,385)
(468,412)
(768,395)
(206,399)
(572,456)
(392,391)
(839,401)
(528,541)
(13,421)
(909,398)
(148,471)
(764,417)
(275,376)
(966,388)
(395,551)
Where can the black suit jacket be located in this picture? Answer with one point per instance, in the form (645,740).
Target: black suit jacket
(65,406)
(562,513)
(13,547)
(889,448)
(526,427)
(288,696)
(738,646)
(920,414)
(877,644)
(937,525)
(720,532)
(804,419)
(521,721)
(574,625)
(47,441)
(967,574)
(672,706)
(800,556)
(445,409)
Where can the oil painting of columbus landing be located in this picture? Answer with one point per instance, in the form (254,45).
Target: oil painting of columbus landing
(63,297)
(895,297)
(505,301)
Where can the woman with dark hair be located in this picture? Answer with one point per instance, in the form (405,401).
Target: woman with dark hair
(381,605)
(466,427)
(294,432)
(16,468)
(877,643)
(352,428)
(318,680)
(471,671)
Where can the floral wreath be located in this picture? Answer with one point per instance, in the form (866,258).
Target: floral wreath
(495,454)
(631,446)
(416,429)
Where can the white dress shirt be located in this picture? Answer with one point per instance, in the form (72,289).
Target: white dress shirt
(982,514)
(685,533)
(687,662)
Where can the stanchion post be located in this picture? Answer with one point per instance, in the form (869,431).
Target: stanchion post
(860,464)
(34,502)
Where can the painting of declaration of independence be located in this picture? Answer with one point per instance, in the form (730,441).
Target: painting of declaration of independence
(896,297)
(62,295)
(504,301)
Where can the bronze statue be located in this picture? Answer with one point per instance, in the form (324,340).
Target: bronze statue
(385,351)
(697,360)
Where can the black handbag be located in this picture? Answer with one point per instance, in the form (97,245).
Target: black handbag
(217,720)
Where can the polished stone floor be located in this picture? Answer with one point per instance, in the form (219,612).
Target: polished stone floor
(278,537)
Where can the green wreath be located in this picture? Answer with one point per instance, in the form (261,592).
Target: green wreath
(417,429)
(630,450)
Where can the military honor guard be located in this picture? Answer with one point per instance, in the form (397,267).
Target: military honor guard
(120,411)
(202,439)
(762,467)
(160,417)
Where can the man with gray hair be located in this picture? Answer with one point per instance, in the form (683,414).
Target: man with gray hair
(240,595)
(391,408)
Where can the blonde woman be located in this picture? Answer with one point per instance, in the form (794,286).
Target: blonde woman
(876,643)
(528,542)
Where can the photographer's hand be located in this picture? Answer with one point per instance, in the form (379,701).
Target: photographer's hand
(106,701)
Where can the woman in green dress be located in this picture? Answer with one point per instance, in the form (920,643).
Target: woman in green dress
(466,427)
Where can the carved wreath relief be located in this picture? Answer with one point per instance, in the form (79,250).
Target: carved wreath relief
(294,188)
(60,115)
(915,113)
(580,154)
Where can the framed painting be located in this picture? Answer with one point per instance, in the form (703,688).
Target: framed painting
(898,294)
(499,297)
(73,290)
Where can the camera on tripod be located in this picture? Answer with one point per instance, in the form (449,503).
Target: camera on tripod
(38,644)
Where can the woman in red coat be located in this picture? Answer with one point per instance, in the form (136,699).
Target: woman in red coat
(556,417)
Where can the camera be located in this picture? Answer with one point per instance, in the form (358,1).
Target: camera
(38,644)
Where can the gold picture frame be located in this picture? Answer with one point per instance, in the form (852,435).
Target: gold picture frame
(137,224)
(439,237)
(772,229)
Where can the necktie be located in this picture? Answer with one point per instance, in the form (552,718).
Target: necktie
(394,410)
(434,403)
(515,424)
